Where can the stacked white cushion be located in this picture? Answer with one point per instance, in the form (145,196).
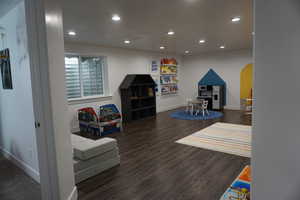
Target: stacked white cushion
(83,164)
(92,157)
(85,148)
(96,169)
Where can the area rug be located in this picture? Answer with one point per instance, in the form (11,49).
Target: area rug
(182,114)
(240,188)
(223,137)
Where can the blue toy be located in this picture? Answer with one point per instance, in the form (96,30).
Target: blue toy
(110,119)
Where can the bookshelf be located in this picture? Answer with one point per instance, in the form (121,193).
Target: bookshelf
(138,97)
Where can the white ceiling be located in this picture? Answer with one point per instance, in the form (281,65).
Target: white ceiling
(146,23)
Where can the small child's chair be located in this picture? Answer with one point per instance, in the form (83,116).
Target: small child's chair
(189,106)
(204,109)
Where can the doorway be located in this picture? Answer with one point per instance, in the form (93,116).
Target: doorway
(19,174)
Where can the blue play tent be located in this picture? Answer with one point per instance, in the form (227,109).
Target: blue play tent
(212,78)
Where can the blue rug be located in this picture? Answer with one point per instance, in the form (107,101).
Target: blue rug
(182,114)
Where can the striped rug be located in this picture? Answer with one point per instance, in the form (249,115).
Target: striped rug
(224,137)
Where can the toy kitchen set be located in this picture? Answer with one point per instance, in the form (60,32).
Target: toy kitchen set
(212,88)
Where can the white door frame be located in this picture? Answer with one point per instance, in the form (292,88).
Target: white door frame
(39,67)
(41,100)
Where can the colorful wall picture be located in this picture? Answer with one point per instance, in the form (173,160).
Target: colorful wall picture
(168,69)
(169,89)
(168,76)
(168,79)
(168,61)
(5,69)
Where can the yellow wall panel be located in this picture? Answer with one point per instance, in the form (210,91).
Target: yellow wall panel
(246,82)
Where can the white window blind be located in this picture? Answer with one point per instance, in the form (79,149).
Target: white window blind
(84,76)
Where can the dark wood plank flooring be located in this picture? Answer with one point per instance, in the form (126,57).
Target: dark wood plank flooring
(15,184)
(154,167)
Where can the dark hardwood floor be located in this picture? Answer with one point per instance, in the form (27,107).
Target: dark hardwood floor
(154,167)
(15,184)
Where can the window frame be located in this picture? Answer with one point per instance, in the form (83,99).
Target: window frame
(104,78)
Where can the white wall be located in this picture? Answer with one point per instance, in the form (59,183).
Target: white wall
(227,64)
(17,132)
(120,63)
(276,135)
(54,71)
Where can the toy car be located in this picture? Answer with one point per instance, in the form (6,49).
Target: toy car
(108,121)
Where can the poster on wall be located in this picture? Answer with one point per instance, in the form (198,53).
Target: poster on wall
(168,69)
(5,69)
(154,67)
(168,76)
(169,89)
(168,79)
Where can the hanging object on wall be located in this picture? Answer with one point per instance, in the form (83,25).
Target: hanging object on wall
(246,88)
(5,69)
(212,88)
(154,67)
(168,76)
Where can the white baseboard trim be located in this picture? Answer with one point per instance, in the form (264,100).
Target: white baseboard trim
(75,129)
(170,108)
(74,194)
(21,164)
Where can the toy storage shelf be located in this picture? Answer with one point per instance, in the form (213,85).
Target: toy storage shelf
(138,97)
(168,77)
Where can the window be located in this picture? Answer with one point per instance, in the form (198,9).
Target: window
(84,76)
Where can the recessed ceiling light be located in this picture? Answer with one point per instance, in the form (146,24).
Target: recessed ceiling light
(171,32)
(222,47)
(187,52)
(162,47)
(72,33)
(236,19)
(116,18)
(127,41)
(201,41)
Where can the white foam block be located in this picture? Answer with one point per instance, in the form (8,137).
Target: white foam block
(85,149)
(96,169)
(84,164)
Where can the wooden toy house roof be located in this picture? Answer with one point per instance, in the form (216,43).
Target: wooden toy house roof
(136,79)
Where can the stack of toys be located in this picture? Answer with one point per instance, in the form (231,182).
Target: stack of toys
(108,120)
(240,188)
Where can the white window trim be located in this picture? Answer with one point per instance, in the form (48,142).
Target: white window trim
(106,91)
(89,99)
